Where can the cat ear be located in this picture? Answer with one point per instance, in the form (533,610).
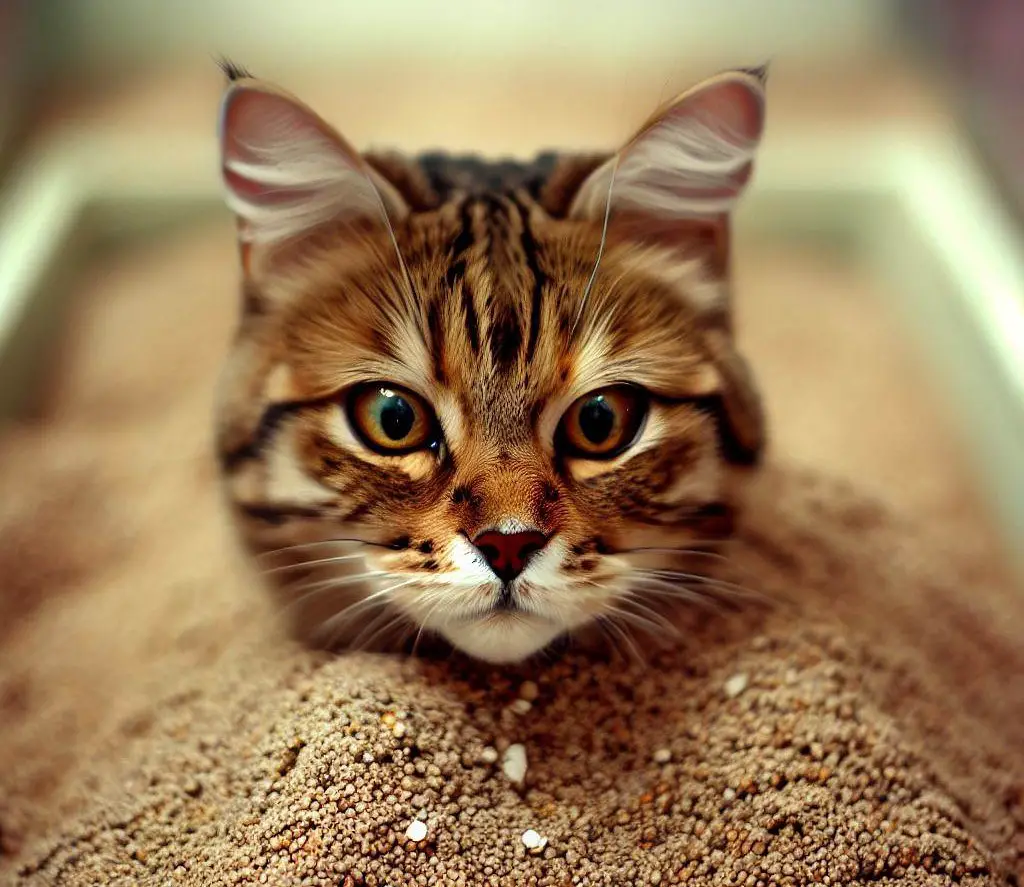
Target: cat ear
(286,171)
(676,183)
(685,169)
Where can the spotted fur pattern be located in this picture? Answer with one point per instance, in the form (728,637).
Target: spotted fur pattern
(475,287)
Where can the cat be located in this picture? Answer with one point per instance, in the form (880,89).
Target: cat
(493,403)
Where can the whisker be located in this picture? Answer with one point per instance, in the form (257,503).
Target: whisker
(325,587)
(653,618)
(600,248)
(682,552)
(440,602)
(600,622)
(346,615)
(338,581)
(301,546)
(396,619)
(649,615)
(324,560)
(650,628)
(660,587)
(339,626)
(627,640)
(724,585)
(673,549)
(303,593)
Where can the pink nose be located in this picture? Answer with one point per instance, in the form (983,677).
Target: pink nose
(508,553)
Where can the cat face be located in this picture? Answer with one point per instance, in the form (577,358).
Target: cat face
(480,400)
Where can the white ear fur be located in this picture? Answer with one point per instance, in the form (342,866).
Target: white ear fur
(285,171)
(691,160)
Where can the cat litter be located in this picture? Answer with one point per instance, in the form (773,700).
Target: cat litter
(735,685)
(534,841)
(514,765)
(521,707)
(529,691)
(416,831)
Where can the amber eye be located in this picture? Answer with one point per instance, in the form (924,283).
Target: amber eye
(603,423)
(391,420)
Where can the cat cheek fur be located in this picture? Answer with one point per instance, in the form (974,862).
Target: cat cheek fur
(498,293)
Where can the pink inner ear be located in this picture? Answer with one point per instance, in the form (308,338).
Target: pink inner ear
(257,124)
(285,171)
(257,192)
(691,161)
(731,110)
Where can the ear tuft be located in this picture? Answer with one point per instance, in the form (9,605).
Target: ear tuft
(232,70)
(760,72)
(286,171)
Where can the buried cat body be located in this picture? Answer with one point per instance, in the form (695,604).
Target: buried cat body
(497,404)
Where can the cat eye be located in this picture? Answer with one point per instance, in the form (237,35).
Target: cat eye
(391,420)
(603,423)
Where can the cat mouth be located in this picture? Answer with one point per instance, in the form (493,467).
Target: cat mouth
(506,605)
(502,635)
(506,602)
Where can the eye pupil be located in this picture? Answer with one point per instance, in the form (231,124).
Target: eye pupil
(602,424)
(397,417)
(597,420)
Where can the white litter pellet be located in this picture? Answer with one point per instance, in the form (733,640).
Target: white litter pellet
(729,794)
(489,755)
(534,840)
(529,691)
(416,831)
(735,685)
(514,764)
(663,756)
(521,706)
(399,729)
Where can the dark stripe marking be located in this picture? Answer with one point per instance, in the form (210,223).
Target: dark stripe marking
(506,336)
(713,406)
(358,513)
(437,349)
(462,243)
(268,426)
(457,272)
(730,447)
(448,173)
(529,245)
(278,514)
(472,324)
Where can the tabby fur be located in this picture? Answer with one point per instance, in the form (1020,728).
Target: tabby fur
(499,293)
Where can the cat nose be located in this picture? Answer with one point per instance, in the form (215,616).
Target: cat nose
(508,553)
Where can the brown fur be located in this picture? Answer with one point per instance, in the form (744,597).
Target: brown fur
(488,322)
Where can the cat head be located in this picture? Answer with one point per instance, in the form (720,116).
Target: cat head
(495,402)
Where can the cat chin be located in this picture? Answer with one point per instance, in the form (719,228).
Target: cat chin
(502,640)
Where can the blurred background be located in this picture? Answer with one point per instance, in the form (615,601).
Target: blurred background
(973,46)
(878,260)
(62,56)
